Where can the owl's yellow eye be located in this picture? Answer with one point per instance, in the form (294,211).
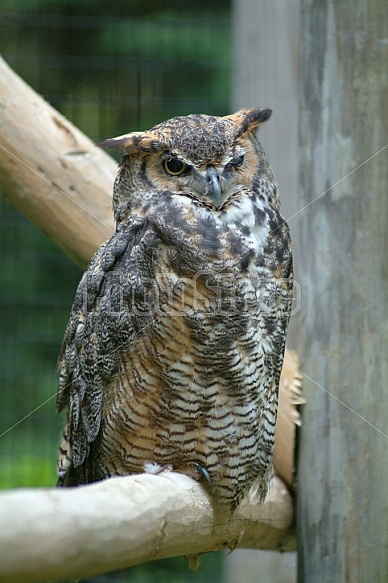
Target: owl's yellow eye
(175,167)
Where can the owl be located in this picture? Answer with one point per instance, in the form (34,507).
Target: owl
(174,347)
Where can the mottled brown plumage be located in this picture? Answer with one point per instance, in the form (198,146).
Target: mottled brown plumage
(175,343)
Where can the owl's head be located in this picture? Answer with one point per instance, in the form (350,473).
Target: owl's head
(205,158)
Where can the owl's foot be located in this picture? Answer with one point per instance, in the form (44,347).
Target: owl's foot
(157,469)
(196,471)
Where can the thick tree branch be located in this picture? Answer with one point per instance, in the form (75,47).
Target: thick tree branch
(73,533)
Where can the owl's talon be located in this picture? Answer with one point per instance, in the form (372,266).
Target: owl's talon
(203,472)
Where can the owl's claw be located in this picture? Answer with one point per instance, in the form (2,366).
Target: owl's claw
(203,472)
(198,472)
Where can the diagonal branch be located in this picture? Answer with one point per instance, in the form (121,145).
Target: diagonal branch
(52,172)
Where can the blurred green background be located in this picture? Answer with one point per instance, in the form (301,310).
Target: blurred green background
(110,68)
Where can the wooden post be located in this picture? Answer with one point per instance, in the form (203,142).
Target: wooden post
(265,72)
(343,341)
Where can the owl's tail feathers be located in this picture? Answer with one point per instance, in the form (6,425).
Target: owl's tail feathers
(290,397)
(70,479)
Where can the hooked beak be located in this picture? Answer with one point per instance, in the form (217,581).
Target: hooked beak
(213,185)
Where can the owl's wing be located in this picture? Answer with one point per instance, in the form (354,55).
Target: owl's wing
(100,327)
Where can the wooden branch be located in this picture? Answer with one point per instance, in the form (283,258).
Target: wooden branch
(72,533)
(52,172)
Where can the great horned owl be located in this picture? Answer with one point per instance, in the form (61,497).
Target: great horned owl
(175,343)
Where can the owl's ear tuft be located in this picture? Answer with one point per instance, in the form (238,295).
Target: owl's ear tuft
(133,142)
(250,119)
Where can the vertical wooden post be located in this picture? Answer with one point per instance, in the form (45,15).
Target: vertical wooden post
(343,257)
(265,73)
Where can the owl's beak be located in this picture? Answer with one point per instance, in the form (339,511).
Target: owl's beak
(213,184)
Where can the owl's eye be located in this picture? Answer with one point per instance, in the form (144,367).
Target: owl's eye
(238,161)
(235,163)
(175,167)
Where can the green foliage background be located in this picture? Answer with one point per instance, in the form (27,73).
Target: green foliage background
(110,68)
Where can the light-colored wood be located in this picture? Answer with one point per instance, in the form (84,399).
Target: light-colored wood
(56,535)
(52,172)
(290,397)
(343,339)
